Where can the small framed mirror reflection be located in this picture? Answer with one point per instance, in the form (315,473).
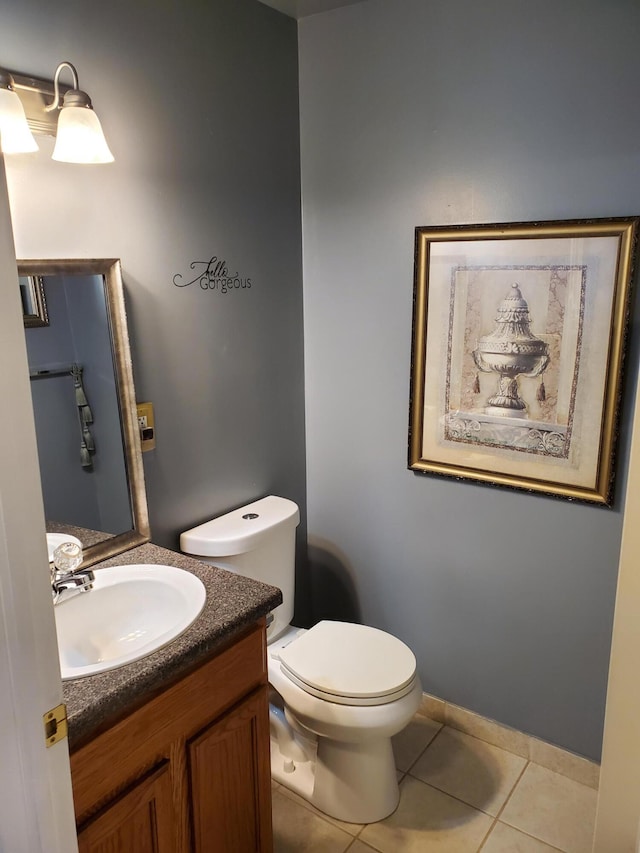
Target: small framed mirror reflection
(34,301)
(85,406)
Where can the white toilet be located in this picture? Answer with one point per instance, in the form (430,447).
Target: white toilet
(341,691)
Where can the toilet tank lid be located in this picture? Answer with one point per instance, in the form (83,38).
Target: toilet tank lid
(241,530)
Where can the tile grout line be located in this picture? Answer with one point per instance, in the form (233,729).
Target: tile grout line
(358,833)
(486,838)
(367,843)
(511,792)
(419,756)
(302,803)
(516,828)
(458,799)
(496,819)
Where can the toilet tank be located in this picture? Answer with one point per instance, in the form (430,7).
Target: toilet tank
(256,541)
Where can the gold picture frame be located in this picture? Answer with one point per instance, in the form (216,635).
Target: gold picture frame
(517,352)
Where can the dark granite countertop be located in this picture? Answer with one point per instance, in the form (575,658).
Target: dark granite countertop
(233,603)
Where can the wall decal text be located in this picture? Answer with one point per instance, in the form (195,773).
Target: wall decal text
(213,275)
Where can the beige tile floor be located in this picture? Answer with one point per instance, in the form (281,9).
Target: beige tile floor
(458,794)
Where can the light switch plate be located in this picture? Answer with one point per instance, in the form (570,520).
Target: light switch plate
(147,426)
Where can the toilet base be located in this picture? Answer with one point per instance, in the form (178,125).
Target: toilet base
(297,776)
(356,782)
(353,782)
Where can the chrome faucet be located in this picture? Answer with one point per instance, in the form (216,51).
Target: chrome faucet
(64,574)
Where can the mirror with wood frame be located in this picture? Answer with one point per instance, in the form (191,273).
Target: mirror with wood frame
(85,406)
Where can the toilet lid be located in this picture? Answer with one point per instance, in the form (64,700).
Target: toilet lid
(345,660)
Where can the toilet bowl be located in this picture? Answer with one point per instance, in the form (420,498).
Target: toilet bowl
(340,690)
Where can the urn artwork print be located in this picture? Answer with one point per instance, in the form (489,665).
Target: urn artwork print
(511,351)
(518,342)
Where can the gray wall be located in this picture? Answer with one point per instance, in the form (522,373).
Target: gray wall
(199,102)
(429,113)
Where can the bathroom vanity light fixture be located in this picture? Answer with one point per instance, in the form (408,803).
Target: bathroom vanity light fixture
(15,135)
(79,138)
(59,111)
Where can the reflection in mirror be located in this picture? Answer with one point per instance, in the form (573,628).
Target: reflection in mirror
(84,407)
(34,301)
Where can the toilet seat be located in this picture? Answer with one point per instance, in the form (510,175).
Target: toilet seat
(349,664)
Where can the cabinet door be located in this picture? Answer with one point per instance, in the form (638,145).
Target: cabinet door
(138,821)
(230,774)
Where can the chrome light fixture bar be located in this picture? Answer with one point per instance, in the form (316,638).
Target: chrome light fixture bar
(74,123)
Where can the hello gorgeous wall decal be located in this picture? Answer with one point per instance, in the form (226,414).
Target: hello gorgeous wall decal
(213,275)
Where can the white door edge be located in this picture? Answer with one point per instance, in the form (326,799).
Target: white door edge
(36,806)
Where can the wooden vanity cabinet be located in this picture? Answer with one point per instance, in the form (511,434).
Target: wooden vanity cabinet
(189,771)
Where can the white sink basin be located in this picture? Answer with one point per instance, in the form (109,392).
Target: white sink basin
(130,612)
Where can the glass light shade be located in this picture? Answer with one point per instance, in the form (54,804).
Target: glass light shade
(79,138)
(15,135)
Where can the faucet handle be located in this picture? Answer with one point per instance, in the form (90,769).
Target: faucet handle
(67,557)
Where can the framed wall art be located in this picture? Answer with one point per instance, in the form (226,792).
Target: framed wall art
(34,301)
(518,343)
